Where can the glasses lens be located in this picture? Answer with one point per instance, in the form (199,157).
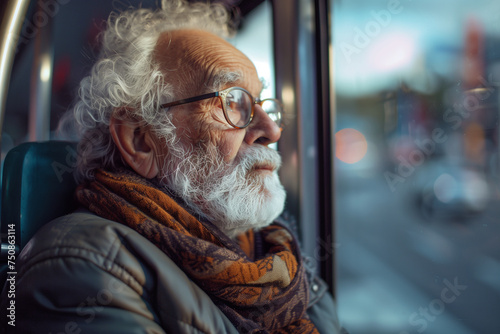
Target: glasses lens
(238,107)
(274,110)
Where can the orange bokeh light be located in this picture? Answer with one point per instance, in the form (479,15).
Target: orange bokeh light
(350,145)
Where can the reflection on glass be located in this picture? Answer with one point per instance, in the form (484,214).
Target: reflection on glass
(417,213)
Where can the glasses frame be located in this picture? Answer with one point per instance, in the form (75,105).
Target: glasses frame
(222,97)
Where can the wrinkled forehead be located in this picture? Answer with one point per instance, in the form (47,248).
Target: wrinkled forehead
(200,60)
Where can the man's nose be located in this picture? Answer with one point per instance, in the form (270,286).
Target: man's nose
(262,130)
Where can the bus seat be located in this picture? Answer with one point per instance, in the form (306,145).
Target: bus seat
(37,187)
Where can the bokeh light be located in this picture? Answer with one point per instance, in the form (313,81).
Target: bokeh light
(350,145)
(446,188)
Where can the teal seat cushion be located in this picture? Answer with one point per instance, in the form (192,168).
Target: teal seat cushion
(37,186)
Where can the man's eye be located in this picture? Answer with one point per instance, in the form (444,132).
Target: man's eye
(232,106)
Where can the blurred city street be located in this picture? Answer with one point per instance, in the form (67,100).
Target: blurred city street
(417,200)
(399,271)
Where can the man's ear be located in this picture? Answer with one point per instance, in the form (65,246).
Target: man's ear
(135,144)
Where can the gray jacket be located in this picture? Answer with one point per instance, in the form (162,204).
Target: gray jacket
(85,274)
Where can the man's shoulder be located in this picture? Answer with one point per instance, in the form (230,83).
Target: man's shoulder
(81,233)
(79,222)
(85,238)
(80,228)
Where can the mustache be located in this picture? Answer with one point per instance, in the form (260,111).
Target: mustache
(256,157)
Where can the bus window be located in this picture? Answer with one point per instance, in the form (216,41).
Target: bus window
(417,165)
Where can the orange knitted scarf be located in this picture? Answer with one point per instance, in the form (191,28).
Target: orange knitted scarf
(258,281)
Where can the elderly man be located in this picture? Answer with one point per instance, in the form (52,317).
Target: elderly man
(179,192)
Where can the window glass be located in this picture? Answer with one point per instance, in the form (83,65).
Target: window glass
(417,165)
(255,40)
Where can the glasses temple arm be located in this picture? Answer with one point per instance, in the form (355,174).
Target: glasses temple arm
(189,100)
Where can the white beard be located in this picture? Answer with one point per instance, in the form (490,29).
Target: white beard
(234,197)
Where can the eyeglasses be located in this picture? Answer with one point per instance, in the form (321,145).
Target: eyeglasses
(238,106)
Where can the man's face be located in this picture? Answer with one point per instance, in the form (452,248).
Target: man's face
(228,175)
(193,59)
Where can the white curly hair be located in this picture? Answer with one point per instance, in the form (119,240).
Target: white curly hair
(127,78)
